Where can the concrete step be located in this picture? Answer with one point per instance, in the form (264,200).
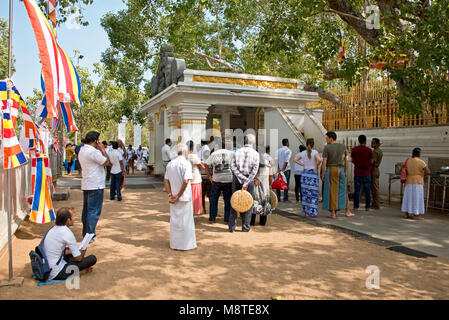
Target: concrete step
(61,194)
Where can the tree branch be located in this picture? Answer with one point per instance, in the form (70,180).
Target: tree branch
(323,94)
(355,20)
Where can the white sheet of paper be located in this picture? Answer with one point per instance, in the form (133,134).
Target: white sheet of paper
(86,241)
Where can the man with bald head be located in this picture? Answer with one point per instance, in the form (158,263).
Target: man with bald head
(177,184)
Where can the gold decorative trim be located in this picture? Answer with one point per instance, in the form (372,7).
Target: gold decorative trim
(174,124)
(157,115)
(192,121)
(247,82)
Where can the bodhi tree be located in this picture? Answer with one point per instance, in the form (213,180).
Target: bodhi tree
(293,38)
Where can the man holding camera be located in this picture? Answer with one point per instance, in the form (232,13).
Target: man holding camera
(93,158)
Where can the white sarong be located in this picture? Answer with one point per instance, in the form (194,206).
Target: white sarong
(182,226)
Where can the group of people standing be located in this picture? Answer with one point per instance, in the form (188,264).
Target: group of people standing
(226,171)
(334,164)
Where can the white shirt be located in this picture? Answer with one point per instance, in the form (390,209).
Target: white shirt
(308,163)
(115,156)
(204,153)
(165,152)
(194,160)
(91,161)
(298,168)
(130,153)
(283,155)
(178,170)
(221,161)
(55,242)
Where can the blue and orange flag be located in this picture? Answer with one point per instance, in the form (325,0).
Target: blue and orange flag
(42,207)
(341,53)
(13,155)
(67,117)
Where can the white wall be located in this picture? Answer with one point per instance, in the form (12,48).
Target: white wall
(273,120)
(397,145)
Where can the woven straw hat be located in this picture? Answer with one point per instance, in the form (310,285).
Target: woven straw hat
(241,201)
(273,200)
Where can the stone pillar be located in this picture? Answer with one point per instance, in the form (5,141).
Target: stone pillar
(159,140)
(173,125)
(193,121)
(122,129)
(151,141)
(137,135)
(225,121)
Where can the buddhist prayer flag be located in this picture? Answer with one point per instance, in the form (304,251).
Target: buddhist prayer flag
(48,52)
(13,103)
(47,173)
(69,82)
(67,117)
(341,54)
(389,59)
(42,207)
(13,155)
(51,10)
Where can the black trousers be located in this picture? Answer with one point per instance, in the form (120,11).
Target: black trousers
(69,166)
(263,220)
(246,216)
(298,191)
(85,263)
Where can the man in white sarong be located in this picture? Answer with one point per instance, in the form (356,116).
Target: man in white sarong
(177,184)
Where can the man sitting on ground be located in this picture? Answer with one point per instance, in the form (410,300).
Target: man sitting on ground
(62,250)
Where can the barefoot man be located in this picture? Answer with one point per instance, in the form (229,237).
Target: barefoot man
(177,184)
(333,173)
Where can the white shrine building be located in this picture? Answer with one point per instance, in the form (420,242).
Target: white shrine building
(204,103)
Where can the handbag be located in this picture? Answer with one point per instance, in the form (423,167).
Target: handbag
(279,183)
(404,172)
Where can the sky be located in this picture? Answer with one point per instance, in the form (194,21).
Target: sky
(90,41)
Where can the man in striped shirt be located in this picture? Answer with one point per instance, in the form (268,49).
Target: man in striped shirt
(244,167)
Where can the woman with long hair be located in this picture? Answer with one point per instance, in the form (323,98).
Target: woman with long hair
(413,200)
(311,160)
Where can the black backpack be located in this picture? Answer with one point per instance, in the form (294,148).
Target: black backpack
(39,264)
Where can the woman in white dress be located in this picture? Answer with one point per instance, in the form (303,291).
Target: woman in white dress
(139,160)
(413,200)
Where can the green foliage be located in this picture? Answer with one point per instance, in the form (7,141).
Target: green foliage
(4,48)
(99,102)
(289,38)
(65,8)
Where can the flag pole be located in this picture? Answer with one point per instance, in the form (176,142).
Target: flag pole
(11,281)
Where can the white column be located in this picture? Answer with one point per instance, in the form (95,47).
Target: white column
(137,135)
(193,121)
(225,120)
(151,141)
(173,125)
(122,129)
(159,141)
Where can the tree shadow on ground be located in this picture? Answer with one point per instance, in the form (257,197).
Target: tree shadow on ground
(288,258)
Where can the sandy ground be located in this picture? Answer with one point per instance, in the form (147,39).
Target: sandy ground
(288,258)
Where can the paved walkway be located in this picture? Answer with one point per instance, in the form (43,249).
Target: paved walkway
(138,180)
(430,235)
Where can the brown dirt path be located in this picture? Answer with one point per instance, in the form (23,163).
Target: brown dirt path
(288,258)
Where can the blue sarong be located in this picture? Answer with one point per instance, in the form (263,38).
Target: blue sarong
(309,190)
